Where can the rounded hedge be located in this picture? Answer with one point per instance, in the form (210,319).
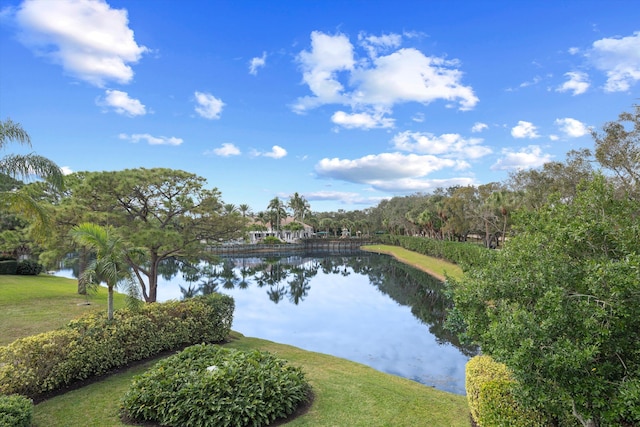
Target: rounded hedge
(208,385)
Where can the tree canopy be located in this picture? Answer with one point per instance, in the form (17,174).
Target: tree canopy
(560,306)
(165,212)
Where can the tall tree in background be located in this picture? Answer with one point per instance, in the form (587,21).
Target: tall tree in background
(22,167)
(277,212)
(166,213)
(300,207)
(618,149)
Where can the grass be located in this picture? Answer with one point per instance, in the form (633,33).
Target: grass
(346,393)
(33,304)
(434,266)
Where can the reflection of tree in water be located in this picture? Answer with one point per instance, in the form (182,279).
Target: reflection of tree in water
(289,277)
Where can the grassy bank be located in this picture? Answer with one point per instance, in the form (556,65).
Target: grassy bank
(346,393)
(434,266)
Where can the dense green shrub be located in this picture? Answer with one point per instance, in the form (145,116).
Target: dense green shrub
(29,268)
(93,345)
(490,388)
(464,254)
(271,240)
(9,266)
(15,411)
(209,385)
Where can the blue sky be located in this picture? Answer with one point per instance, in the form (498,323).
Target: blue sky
(344,102)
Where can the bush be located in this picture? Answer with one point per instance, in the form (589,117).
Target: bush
(490,393)
(15,411)
(9,266)
(93,345)
(210,385)
(29,268)
(271,240)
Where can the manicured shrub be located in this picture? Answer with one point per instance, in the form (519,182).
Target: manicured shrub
(15,411)
(29,268)
(207,385)
(271,240)
(93,345)
(9,266)
(490,388)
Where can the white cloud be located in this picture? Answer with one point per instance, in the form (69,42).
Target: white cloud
(578,83)
(479,127)
(341,196)
(527,157)
(572,128)
(573,50)
(66,170)
(257,62)
(381,167)
(151,140)
(619,58)
(377,44)
(362,120)
(412,185)
(451,145)
(524,130)
(379,82)
(89,39)
(122,103)
(276,152)
(407,75)
(209,107)
(226,150)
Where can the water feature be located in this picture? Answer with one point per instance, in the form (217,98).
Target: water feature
(368,308)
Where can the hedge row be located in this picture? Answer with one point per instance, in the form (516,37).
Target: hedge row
(464,254)
(25,268)
(93,345)
(15,411)
(490,393)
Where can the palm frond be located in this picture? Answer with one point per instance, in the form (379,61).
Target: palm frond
(25,166)
(12,131)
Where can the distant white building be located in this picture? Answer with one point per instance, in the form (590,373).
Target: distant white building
(288,236)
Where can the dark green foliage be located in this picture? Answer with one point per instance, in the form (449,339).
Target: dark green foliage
(559,306)
(207,385)
(9,266)
(29,268)
(94,345)
(464,254)
(271,240)
(15,411)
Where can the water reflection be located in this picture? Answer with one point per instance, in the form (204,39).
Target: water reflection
(368,308)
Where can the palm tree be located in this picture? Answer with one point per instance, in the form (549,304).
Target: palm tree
(277,209)
(110,264)
(299,206)
(24,166)
(245,210)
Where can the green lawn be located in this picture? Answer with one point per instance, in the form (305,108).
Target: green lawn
(33,304)
(434,266)
(346,393)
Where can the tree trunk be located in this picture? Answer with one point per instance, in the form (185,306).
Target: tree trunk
(110,302)
(82,265)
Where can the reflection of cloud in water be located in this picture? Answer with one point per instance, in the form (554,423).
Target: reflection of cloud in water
(346,317)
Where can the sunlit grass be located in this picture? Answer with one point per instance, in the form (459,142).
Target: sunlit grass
(346,394)
(33,304)
(434,266)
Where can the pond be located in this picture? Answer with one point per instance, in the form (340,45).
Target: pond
(367,308)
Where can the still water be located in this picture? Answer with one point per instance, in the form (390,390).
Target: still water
(367,308)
